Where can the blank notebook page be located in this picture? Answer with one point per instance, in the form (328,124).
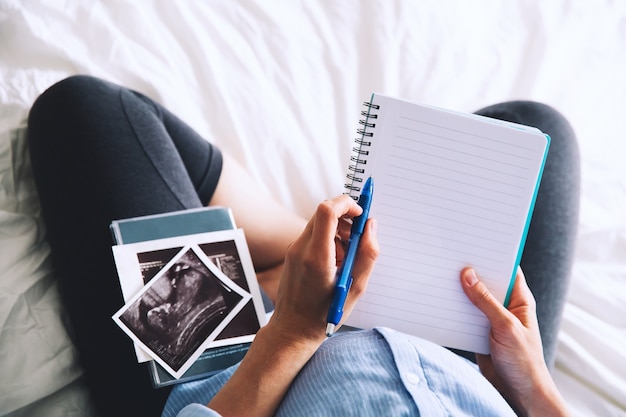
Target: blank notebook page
(450,190)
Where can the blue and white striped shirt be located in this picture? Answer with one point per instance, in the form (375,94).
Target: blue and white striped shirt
(378,372)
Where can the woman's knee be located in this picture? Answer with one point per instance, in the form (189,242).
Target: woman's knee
(68,100)
(64,110)
(542,116)
(529,113)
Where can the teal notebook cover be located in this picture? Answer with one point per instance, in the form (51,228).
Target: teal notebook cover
(178,223)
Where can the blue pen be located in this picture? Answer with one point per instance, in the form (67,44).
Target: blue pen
(344,274)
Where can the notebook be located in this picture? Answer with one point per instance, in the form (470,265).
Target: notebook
(231,258)
(451,190)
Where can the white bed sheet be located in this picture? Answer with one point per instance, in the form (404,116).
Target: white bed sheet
(279,85)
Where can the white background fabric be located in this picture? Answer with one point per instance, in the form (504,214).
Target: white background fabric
(279,85)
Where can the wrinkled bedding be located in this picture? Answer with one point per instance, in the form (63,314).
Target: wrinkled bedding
(278,85)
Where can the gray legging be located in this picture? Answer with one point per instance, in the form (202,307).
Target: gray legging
(102,152)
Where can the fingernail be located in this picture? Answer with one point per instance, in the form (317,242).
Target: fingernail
(374,226)
(470,277)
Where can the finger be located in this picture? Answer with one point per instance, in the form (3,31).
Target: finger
(522,302)
(364,265)
(521,294)
(343,229)
(366,256)
(481,297)
(342,236)
(326,219)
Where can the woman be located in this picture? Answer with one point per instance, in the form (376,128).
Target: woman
(102,152)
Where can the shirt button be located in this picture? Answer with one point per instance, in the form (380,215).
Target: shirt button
(412,378)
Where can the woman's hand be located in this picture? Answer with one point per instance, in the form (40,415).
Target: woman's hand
(516,366)
(306,289)
(298,324)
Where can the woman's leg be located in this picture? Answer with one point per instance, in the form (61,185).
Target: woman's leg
(549,250)
(101,152)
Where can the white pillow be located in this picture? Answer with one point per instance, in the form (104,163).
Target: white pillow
(37,357)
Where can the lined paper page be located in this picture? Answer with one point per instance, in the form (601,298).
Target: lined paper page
(450,191)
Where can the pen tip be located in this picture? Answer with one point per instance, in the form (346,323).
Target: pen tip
(330,329)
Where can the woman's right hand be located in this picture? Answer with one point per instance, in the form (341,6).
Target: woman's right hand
(308,282)
(298,325)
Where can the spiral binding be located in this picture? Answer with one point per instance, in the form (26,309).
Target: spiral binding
(360,152)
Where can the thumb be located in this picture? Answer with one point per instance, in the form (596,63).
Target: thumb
(480,296)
